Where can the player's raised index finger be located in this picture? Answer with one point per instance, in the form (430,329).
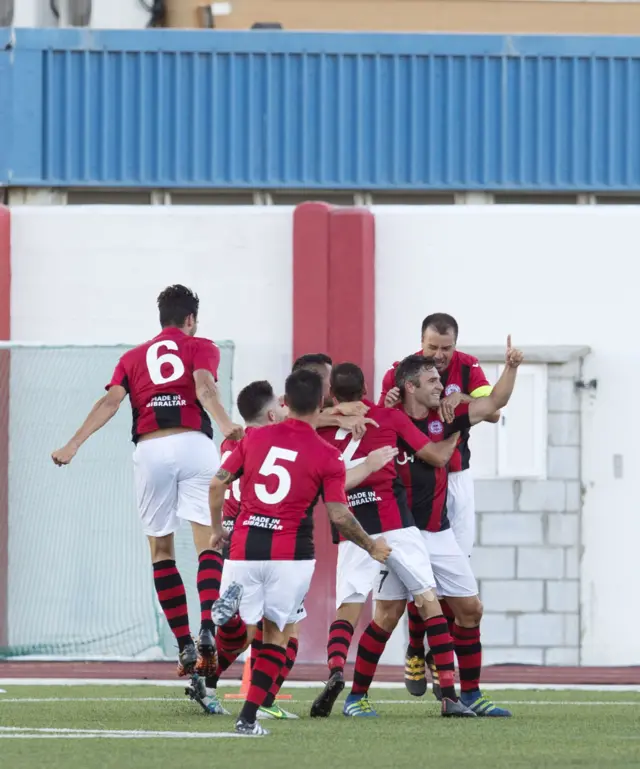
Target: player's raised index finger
(508,341)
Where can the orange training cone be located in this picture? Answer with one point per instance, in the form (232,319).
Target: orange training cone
(246,681)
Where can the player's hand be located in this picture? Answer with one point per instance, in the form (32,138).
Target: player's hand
(64,455)
(392,398)
(513,357)
(218,538)
(357,426)
(377,459)
(380,550)
(233,431)
(357,409)
(448,406)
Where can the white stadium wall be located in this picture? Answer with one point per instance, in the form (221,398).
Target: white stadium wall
(554,277)
(91,275)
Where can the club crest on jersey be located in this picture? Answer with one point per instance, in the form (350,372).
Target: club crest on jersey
(435,428)
(452,388)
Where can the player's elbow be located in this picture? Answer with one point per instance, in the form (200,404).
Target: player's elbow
(494,417)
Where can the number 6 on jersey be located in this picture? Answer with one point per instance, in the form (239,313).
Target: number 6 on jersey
(269,467)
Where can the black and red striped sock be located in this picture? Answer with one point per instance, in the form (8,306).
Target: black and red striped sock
(469,653)
(292,653)
(417,630)
(340,637)
(209,576)
(448,613)
(441,645)
(173,599)
(266,669)
(233,635)
(370,648)
(256,644)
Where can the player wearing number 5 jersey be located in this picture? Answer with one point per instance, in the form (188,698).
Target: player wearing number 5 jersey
(171,384)
(285,468)
(380,504)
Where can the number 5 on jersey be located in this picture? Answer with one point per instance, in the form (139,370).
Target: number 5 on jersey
(269,467)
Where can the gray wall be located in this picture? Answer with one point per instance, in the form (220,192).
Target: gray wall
(527,554)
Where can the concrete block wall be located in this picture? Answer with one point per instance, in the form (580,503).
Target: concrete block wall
(527,553)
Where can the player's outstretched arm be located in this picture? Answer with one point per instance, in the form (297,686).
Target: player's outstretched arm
(347,524)
(438,454)
(217,489)
(98,417)
(481,408)
(375,461)
(207,394)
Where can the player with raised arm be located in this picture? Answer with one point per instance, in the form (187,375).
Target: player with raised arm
(284,469)
(420,387)
(463,381)
(380,504)
(171,384)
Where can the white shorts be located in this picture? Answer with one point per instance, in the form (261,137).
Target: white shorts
(461,508)
(274,590)
(172,477)
(356,573)
(407,571)
(451,567)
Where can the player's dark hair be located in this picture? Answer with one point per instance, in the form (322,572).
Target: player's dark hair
(410,369)
(303,392)
(311,360)
(347,382)
(253,399)
(175,304)
(442,323)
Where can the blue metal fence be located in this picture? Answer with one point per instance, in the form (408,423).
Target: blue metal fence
(318,111)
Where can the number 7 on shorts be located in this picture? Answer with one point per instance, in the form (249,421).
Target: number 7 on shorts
(384,573)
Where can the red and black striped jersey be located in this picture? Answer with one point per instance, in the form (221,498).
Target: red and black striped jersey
(380,503)
(464,374)
(158,377)
(427,485)
(284,469)
(231,506)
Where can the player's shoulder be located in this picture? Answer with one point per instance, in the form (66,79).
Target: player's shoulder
(229,444)
(464,359)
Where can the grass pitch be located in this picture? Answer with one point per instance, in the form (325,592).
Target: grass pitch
(83,727)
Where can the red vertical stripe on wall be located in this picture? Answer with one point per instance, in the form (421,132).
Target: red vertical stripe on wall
(352,289)
(333,312)
(311,334)
(5,359)
(310,278)
(351,308)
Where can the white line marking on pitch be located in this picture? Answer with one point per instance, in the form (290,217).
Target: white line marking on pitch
(230,683)
(121,733)
(424,703)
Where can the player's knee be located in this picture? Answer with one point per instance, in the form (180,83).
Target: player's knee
(350,612)
(427,603)
(387,614)
(469,611)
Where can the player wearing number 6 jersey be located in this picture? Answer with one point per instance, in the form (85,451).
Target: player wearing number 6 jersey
(171,383)
(380,504)
(284,469)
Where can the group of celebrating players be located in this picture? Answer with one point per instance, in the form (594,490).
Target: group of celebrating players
(395,483)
